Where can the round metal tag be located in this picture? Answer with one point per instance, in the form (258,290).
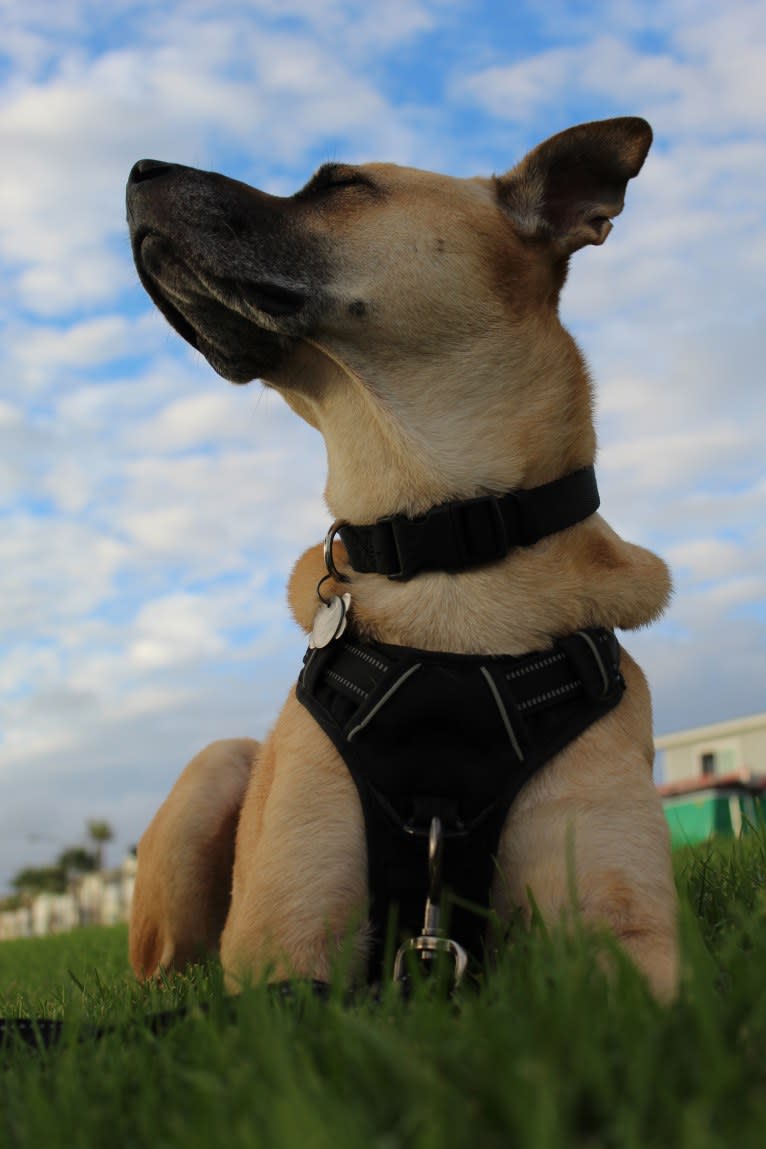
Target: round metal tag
(329,621)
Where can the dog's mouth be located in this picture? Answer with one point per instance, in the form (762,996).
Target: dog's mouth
(150,253)
(243,323)
(231,323)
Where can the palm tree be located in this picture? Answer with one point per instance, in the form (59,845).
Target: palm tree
(99,833)
(77,860)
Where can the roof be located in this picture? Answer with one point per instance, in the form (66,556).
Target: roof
(737,780)
(717,730)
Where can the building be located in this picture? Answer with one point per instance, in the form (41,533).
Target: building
(714,779)
(99,898)
(737,746)
(710,807)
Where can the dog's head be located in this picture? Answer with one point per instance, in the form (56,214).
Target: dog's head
(413,319)
(374,262)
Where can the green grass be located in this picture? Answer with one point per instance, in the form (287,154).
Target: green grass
(549,1054)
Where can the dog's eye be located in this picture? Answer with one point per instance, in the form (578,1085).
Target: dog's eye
(346,181)
(332,177)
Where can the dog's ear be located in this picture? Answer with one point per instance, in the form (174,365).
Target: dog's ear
(569,187)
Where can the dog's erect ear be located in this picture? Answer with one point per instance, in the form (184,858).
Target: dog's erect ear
(569,187)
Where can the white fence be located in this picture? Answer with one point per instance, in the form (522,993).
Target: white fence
(101,898)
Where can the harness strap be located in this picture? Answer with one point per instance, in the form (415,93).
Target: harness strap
(457,535)
(427,734)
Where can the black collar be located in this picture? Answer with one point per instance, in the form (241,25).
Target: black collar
(455,536)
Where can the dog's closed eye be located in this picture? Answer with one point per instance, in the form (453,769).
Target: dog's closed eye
(333,177)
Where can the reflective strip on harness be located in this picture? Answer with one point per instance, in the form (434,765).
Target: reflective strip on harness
(452,736)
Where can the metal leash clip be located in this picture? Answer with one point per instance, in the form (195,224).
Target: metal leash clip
(432,942)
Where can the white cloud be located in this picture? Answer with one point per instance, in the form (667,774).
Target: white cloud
(176,89)
(663,460)
(521,91)
(84,278)
(707,74)
(706,559)
(217,413)
(46,354)
(51,570)
(172,629)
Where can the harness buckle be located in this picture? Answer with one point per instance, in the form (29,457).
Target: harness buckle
(431,942)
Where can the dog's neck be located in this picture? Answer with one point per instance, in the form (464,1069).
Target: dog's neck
(406,450)
(511,412)
(450,431)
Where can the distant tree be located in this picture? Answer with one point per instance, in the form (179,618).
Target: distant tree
(40,879)
(99,833)
(77,860)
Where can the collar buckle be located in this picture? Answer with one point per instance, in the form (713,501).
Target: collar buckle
(467,533)
(451,537)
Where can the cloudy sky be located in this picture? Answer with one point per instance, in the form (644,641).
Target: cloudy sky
(150,512)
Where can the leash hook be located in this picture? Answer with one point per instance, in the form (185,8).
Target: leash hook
(432,942)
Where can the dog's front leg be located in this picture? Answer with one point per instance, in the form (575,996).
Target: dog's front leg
(185,861)
(604,864)
(588,835)
(300,880)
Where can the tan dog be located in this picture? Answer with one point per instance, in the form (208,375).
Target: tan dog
(413,319)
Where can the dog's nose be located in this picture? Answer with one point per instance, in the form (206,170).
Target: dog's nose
(149,170)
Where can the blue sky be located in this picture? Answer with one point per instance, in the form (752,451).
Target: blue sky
(150,513)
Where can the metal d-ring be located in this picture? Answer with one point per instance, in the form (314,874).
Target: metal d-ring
(432,942)
(329,561)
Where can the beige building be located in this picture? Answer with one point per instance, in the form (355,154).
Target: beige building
(738,746)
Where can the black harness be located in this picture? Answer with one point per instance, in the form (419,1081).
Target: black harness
(452,737)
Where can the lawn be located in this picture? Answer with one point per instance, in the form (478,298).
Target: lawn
(549,1054)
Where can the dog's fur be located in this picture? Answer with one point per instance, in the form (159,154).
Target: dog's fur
(413,319)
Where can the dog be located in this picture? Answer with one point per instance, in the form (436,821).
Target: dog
(412,318)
